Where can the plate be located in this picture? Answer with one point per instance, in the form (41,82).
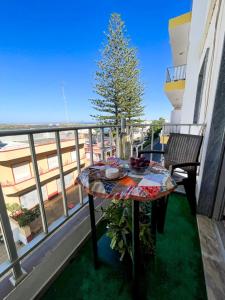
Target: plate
(121,176)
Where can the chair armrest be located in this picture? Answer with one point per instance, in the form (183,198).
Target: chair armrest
(183,165)
(150,151)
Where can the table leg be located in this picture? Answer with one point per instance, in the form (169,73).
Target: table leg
(161,213)
(93,230)
(154,220)
(135,246)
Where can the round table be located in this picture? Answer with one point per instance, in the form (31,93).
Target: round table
(155,183)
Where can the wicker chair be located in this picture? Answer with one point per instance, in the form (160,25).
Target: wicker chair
(182,152)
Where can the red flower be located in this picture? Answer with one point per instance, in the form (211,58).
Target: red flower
(152,191)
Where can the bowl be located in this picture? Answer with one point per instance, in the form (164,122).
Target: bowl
(138,170)
(138,165)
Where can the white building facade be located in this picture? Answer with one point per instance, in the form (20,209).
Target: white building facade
(199,98)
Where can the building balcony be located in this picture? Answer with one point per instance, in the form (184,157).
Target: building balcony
(16,189)
(16,151)
(175,85)
(179,28)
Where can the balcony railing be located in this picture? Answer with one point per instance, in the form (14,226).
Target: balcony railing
(113,135)
(176,73)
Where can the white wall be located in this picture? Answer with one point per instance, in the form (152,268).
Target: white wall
(193,60)
(175,116)
(199,42)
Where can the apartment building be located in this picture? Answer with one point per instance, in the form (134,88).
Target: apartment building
(179,28)
(109,144)
(195,87)
(203,100)
(18,182)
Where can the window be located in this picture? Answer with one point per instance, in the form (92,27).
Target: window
(41,165)
(68,180)
(29,200)
(200,87)
(21,172)
(53,162)
(73,155)
(59,188)
(44,192)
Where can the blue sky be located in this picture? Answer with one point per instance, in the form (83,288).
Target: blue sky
(44,43)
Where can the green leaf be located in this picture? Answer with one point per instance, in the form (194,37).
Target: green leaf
(113,242)
(120,244)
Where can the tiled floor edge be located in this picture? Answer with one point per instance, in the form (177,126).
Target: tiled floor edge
(213,260)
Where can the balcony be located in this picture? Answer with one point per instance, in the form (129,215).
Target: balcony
(179,28)
(176,271)
(22,150)
(16,189)
(175,85)
(168,277)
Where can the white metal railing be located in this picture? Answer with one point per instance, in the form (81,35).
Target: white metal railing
(113,135)
(176,73)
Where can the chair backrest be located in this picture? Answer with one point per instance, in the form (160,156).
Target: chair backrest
(182,148)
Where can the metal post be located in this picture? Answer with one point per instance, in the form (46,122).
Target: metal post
(111,142)
(91,147)
(163,131)
(123,139)
(162,157)
(131,142)
(152,142)
(62,181)
(168,79)
(93,230)
(176,69)
(102,144)
(38,183)
(142,137)
(18,273)
(154,220)
(118,154)
(77,150)
(135,241)
(189,129)
(76,135)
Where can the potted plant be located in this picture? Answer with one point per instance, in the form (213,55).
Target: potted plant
(118,216)
(27,216)
(23,216)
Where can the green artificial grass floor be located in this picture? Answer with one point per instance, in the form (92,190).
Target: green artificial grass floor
(175,273)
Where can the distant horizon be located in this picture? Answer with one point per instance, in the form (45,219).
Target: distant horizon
(58,122)
(44,46)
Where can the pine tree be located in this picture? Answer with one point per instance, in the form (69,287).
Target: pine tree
(117,78)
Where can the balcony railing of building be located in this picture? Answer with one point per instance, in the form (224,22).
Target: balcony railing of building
(114,136)
(176,73)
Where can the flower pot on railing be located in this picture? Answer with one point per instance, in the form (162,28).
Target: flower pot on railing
(23,234)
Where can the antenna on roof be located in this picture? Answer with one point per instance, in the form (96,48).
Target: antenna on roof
(65,103)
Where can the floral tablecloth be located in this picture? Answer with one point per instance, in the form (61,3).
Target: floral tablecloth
(155,183)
